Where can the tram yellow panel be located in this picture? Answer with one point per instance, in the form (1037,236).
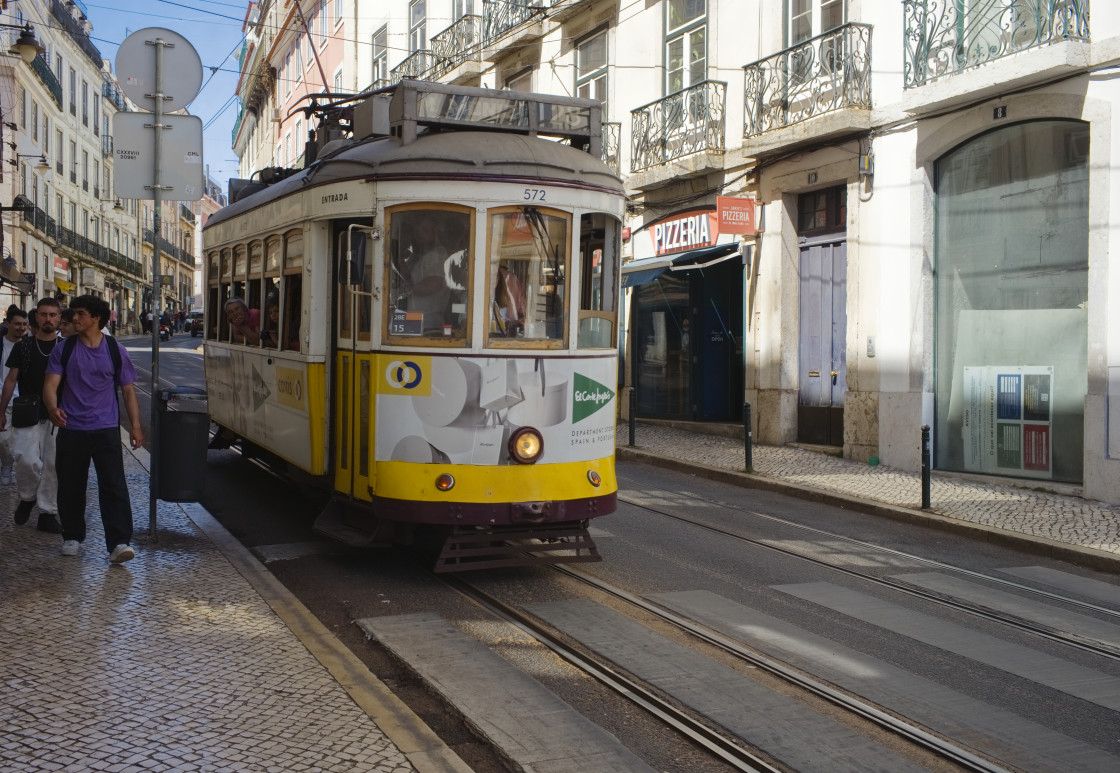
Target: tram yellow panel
(317,414)
(506,483)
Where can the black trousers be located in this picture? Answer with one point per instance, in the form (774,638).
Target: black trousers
(74,451)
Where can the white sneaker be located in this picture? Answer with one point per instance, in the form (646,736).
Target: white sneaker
(5,475)
(70,547)
(122,553)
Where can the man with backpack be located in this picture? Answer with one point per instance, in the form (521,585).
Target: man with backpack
(33,437)
(80,392)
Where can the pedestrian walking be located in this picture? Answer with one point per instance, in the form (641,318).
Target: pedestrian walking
(15,330)
(80,391)
(33,437)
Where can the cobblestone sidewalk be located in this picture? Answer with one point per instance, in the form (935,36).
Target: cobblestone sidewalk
(171,662)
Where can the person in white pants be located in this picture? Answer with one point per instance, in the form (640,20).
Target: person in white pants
(16,330)
(34,446)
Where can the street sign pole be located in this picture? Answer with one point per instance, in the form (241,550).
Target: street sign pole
(157,228)
(176,59)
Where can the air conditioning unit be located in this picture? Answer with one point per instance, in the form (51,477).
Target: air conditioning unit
(276,115)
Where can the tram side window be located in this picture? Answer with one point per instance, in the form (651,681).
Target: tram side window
(429,273)
(599,261)
(270,320)
(528,266)
(293,309)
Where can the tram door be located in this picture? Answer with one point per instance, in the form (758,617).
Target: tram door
(353,386)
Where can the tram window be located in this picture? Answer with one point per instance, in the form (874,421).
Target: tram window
(270,319)
(272,256)
(528,268)
(213,268)
(293,310)
(347,242)
(599,259)
(429,273)
(227,265)
(239,263)
(213,314)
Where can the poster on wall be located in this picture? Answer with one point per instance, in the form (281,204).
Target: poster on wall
(1008,420)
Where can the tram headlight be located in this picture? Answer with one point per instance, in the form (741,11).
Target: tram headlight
(594,478)
(526,445)
(445,482)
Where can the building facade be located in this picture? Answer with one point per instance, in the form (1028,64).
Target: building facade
(67,233)
(859,216)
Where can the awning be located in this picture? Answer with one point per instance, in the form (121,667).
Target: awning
(62,284)
(704,257)
(642,272)
(640,277)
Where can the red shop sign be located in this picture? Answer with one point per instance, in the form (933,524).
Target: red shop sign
(736,216)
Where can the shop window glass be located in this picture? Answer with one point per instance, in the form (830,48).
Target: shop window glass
(528,250)
(1011,277)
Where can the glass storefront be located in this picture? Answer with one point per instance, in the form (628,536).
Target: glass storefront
(687,343)
(1011,284)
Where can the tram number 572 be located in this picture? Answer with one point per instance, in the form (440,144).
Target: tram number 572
(534,194)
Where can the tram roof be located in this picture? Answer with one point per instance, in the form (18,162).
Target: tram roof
(441,156)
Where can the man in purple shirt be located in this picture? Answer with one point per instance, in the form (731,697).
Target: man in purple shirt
(88,418)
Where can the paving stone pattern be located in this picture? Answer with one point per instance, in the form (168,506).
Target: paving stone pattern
(171,662)
(1036,513)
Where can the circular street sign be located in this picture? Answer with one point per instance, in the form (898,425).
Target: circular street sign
(136,69)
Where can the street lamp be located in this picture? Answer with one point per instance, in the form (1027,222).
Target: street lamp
(26,45)
(42,166)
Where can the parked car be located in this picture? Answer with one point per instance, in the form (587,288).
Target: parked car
(195,323)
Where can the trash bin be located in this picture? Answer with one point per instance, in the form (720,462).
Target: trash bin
(184,433)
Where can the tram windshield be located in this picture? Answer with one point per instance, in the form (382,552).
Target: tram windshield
(528,272)
(429,267)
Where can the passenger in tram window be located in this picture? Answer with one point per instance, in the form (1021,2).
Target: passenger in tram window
(244,323)
(294,297)
(509,302)
(270,333)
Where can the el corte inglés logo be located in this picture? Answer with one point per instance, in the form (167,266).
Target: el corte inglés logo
(588,397)
(260,390)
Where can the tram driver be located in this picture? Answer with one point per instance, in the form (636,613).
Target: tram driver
(428,291)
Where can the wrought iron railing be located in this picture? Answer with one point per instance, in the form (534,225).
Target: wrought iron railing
(43,70)
(941,37)
(186,214)
(414,66)
(114,95)
(107,145)
(689,121)
(167,247)
(612,141)
(77,33)
(83,246)
(500,16)
(461,42)
(822,74)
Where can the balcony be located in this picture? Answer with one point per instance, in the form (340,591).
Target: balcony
(114,95)
(503,16)
(43,70)
(61,12)
(414,66)
(681,124)
(562,10)
(460,45)
(944,37)
(107,145)
(186,214)
(612,141)
(825,74)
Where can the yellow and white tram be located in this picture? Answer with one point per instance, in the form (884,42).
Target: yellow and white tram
(424,320)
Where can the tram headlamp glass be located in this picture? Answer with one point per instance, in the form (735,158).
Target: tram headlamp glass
(526,445)
(445,482)
(594,477)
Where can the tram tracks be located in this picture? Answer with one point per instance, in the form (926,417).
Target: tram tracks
(1067,638)
(736,752)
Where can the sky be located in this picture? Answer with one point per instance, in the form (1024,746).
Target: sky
(213,27)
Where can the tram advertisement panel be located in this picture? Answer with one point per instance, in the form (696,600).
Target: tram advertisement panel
(263,399)
(462,410)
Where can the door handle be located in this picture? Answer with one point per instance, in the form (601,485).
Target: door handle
(834,374)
